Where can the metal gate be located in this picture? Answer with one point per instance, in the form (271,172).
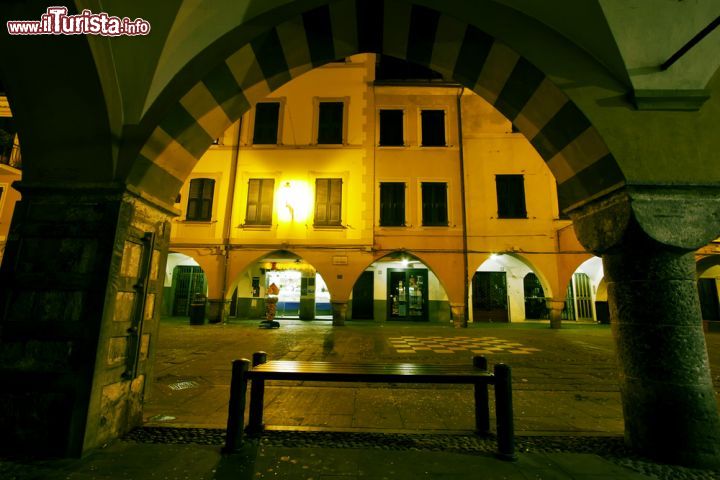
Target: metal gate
(189,280)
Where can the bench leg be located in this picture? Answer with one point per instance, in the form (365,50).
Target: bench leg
(257,398)
(236,407)
(504,412)
(482,407)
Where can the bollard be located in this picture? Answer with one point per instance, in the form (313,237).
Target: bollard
(482,407)
(259,358)
(236,407)
(504,412)
(257,397)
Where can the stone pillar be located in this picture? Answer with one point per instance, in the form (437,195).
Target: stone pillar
(555,307)
(669,402)
(307,296)
(647,238)
(339,311)
(458,315)
(80,290)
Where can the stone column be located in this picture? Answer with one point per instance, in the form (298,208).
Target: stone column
(307,296)
(647,239)
(458,315)
(339,310)
(80,290)
(669,402)
(555,307)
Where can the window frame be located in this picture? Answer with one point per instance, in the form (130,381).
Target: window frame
(403,126)
(316,120)
(211,209)
(420,129)
(403,222)
(327,223)
(258,222)
(423,221)
(278,134)
(501,213)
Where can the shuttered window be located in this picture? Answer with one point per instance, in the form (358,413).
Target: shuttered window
(267,115)
(391,128)
(433,128)
(200,199)
(330,123)
(392,204)
(434,204)
(260,201)
(328,201)
(510,196)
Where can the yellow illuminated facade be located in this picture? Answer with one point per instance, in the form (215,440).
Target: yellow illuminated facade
(470,263)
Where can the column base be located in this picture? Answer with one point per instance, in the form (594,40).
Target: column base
(458,315)
(339,310)
(217,310)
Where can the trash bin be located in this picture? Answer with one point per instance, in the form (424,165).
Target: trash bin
(197,310)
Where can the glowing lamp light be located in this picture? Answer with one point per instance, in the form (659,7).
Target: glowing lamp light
(405,262)
(293,201)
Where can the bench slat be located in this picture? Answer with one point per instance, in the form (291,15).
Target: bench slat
(370,372)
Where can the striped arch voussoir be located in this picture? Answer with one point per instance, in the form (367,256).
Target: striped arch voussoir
(561,133)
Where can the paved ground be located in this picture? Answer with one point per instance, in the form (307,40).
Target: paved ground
(564,380)
(567,409)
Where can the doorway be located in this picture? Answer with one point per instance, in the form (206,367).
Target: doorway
(490,298)
(362,297)
(407,294)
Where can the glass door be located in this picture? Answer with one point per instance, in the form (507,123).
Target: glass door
(407,294)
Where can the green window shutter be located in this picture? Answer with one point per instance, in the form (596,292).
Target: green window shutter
(510,196)
(260,201)
(267,116)
(266,204)
(200,199)
(392,204)
(434,204)
(330,123)
(328,201)
(391,128)
(433,128)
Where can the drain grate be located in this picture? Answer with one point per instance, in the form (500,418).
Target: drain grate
(183,385)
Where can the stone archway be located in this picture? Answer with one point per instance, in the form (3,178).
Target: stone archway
(555,126)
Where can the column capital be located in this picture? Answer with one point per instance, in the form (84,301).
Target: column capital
(685,217)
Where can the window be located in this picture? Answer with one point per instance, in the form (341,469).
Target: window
(392,204)
(267,115)
(434,204)
(260,201)
(391,128)
(330,123)
(200,199)
(510,196)
(433,128)
(328,201)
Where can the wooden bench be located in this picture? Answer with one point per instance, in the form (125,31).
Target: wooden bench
(475,374)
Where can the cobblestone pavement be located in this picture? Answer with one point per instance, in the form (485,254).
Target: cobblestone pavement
(565,381)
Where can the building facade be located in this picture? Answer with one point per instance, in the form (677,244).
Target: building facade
(375,186)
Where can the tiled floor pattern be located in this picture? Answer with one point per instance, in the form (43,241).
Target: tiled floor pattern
(479,345)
